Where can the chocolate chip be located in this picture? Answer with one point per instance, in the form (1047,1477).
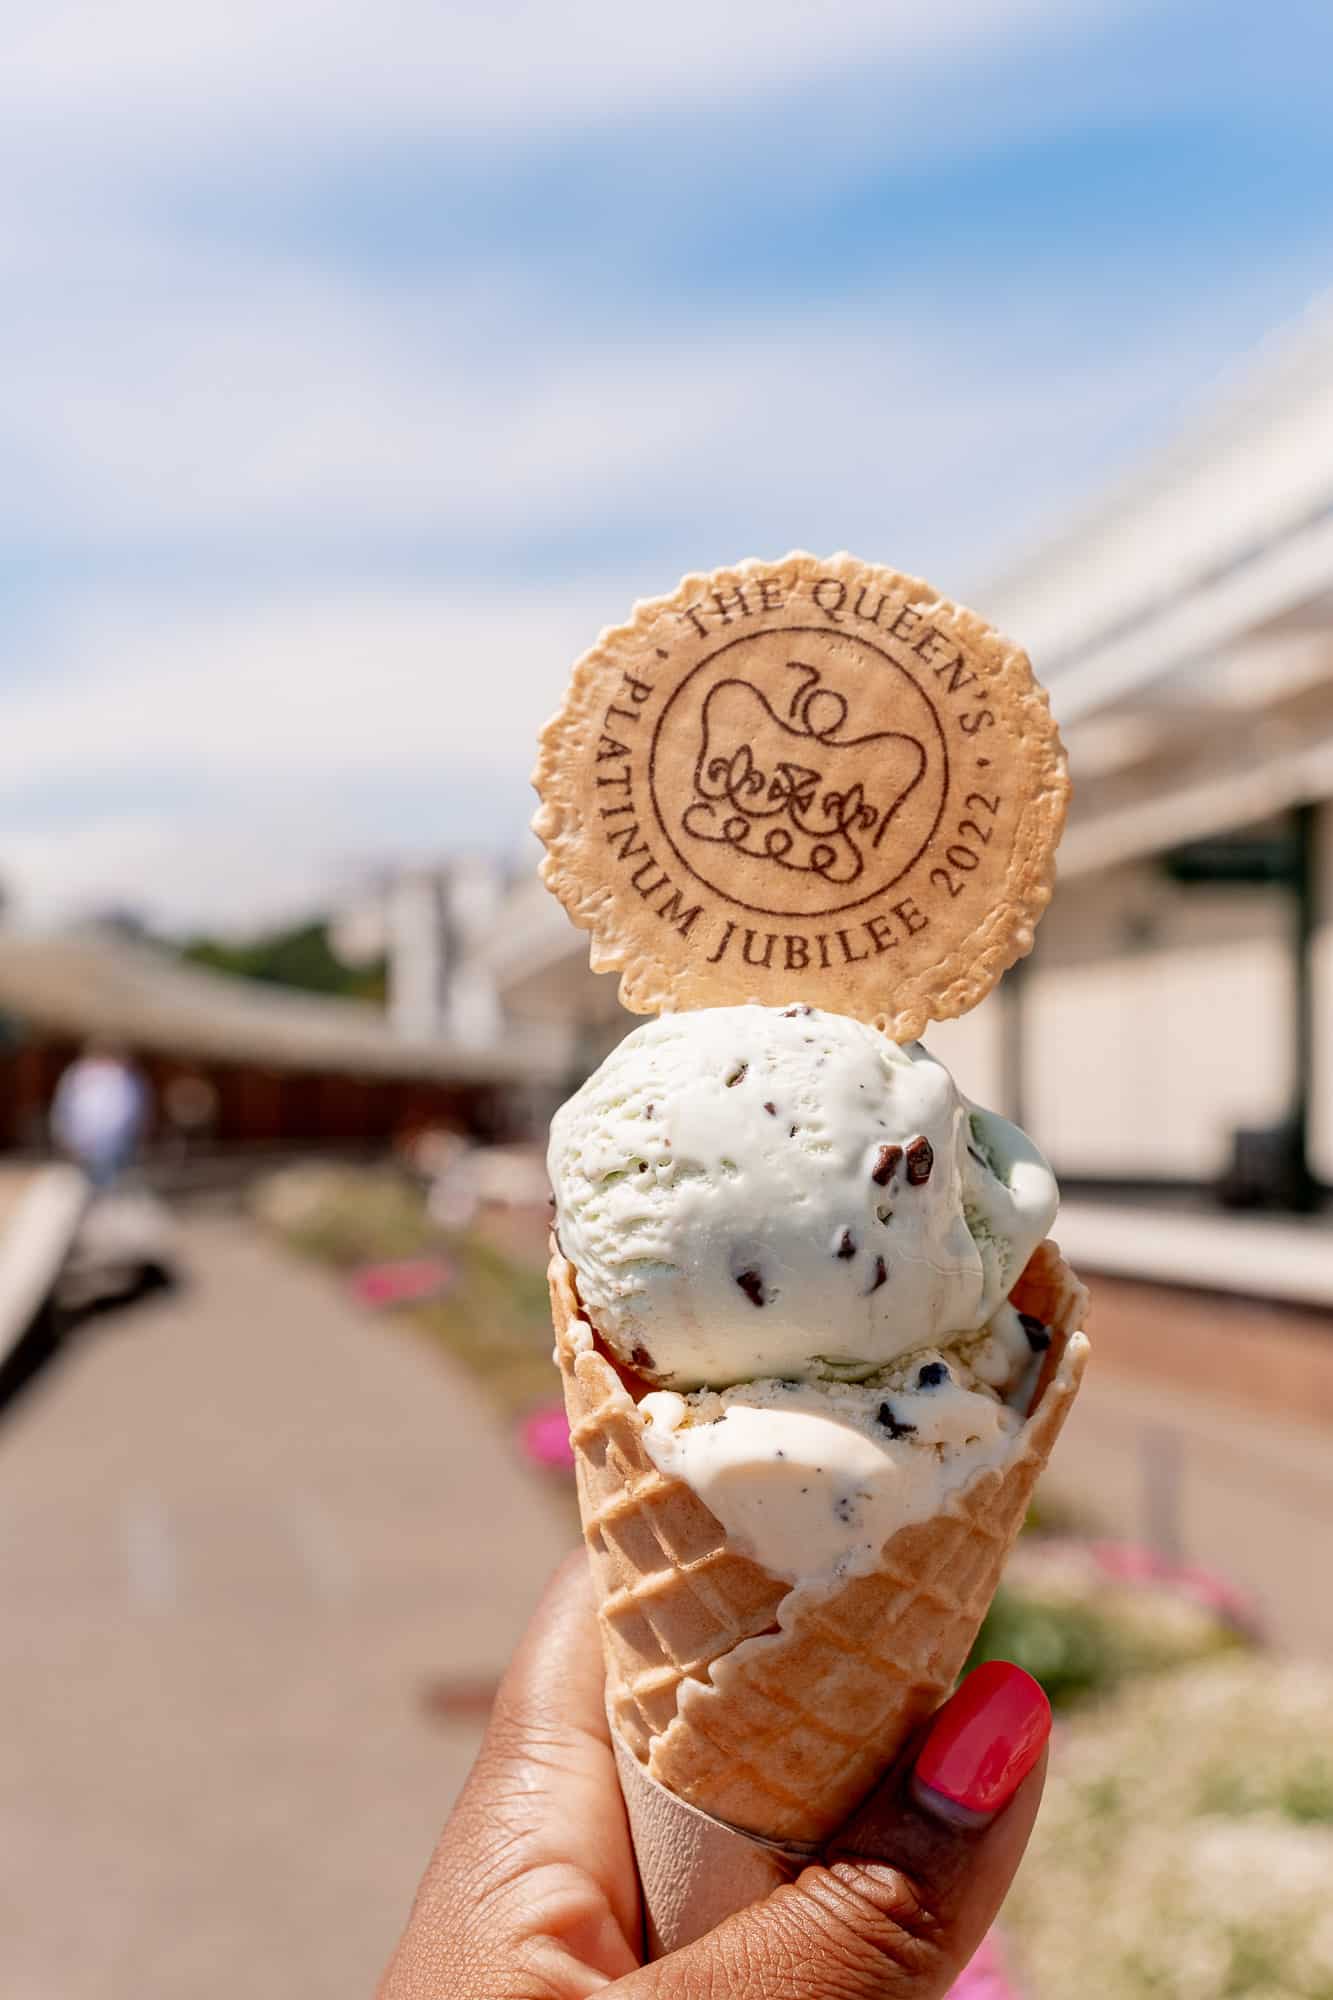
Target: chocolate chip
(648,1110)
(846,1245)
(1038,1333)
(737,1075)
(772,1110)
(641,1357)
(920,1160)
(932,1375)
(845,1509)
(886,1165)
(752,1285)
(884,1416)
(881,1275)
(790,1013)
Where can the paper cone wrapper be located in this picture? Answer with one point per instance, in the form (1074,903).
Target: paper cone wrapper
(769,1707)
(694,1871)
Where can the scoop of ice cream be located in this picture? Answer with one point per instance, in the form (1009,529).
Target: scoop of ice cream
(750,1192)
(811,1478)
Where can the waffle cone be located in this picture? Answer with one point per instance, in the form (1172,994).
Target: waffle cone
(776,1707)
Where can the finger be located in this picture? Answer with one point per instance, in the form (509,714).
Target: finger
(537,1851)
(544,1787)
(556,1679)
(909,1886)
(979,1752)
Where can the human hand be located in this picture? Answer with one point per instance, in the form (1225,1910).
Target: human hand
(532,1892)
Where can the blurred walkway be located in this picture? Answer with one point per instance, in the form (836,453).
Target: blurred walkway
(242,1533)
(1205,1429)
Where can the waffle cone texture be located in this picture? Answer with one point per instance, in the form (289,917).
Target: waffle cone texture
(776,1707)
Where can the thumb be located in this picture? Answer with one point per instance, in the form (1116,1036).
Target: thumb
(909,1885)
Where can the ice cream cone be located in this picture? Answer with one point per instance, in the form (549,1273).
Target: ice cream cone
(770,1706)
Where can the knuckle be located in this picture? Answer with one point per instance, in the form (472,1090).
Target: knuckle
(779,1956)
(876,1923)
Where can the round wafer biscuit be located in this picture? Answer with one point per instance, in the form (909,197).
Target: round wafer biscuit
(808,779)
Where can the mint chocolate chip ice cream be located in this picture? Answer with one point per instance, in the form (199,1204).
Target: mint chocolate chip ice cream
(751,1191)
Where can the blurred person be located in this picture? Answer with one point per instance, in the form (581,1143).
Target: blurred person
(190,1106)
(100,1112)
(532,1893)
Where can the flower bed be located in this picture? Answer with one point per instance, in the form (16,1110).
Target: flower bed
(1084,1616)
(1185,1847)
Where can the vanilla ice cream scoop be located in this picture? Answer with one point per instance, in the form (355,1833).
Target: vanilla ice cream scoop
(751,1192)
(811,1478)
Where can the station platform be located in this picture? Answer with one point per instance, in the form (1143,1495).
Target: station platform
(1284,1258)
(40,1211)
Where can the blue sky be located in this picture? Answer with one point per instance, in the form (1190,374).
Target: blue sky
(361,361)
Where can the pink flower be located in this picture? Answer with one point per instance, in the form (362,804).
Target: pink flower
(543,1438)
(985,1978)
(402,1282)
(1131,1564)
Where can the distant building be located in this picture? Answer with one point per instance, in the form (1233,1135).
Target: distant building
(432,924)
(1176,1019)
(539,965)
(265,1065)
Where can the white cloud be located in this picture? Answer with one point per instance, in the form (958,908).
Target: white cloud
(161,395)
(374,685)
(748,440)
(245,402)
(159,390)
(212,870)
(237,398)
(305,71)
(810,431)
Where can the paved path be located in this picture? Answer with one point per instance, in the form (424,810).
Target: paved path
(1205,1429)
(242,1532)
(1272,1361)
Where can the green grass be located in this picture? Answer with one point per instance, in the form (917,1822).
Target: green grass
(1069,1648)
(495,1319)
(1085,1642)
(356,1216)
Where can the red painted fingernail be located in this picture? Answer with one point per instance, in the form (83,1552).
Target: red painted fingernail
(982,1744)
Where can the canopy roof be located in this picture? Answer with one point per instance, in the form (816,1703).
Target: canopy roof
(100,985)
(1184,624)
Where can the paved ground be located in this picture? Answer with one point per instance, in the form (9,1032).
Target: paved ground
(1205,1428)
(1271,1360)
(243,1531)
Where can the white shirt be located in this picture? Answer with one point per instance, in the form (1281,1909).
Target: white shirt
(99,1107)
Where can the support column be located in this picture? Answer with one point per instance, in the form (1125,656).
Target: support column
(1303,1193)
(1011,1043)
